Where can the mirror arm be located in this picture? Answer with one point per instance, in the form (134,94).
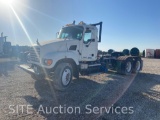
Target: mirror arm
(88,43)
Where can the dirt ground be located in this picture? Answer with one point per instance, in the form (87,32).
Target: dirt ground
(104,96)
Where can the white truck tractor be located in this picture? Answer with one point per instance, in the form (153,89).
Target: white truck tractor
(74,52)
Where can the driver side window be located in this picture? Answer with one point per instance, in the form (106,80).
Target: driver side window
(87,36)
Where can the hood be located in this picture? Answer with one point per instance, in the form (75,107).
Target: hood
(50,42)
(57,45)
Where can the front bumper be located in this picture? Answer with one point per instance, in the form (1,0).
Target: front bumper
(27,68)
(34,69)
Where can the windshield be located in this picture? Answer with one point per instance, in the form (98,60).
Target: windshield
(73,32)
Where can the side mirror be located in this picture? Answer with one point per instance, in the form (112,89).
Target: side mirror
(91,40)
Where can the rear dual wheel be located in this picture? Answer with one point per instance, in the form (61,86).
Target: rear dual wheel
(127,66)
(137,65)
(124,66)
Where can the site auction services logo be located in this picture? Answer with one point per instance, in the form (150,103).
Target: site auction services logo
(63,109)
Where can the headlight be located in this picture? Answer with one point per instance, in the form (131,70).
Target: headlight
(48,62)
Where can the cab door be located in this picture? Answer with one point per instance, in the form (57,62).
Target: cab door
(90,45)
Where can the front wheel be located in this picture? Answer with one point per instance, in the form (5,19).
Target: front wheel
(62,76)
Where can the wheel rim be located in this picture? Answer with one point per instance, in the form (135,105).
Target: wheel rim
(66,77)
(138,65)
(128,66)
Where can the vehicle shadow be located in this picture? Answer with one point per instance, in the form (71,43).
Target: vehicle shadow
(5,67)
(142,96)
(82,92)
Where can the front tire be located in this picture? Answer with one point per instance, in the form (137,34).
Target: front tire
(62,76)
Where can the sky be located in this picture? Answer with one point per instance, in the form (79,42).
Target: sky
(126,23)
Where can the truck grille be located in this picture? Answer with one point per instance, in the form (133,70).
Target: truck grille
(35,54)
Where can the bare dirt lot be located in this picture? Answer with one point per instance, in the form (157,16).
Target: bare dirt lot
(136,96)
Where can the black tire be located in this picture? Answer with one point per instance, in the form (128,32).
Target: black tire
(137,65)
(59,77)
(134,52)
(126,67)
